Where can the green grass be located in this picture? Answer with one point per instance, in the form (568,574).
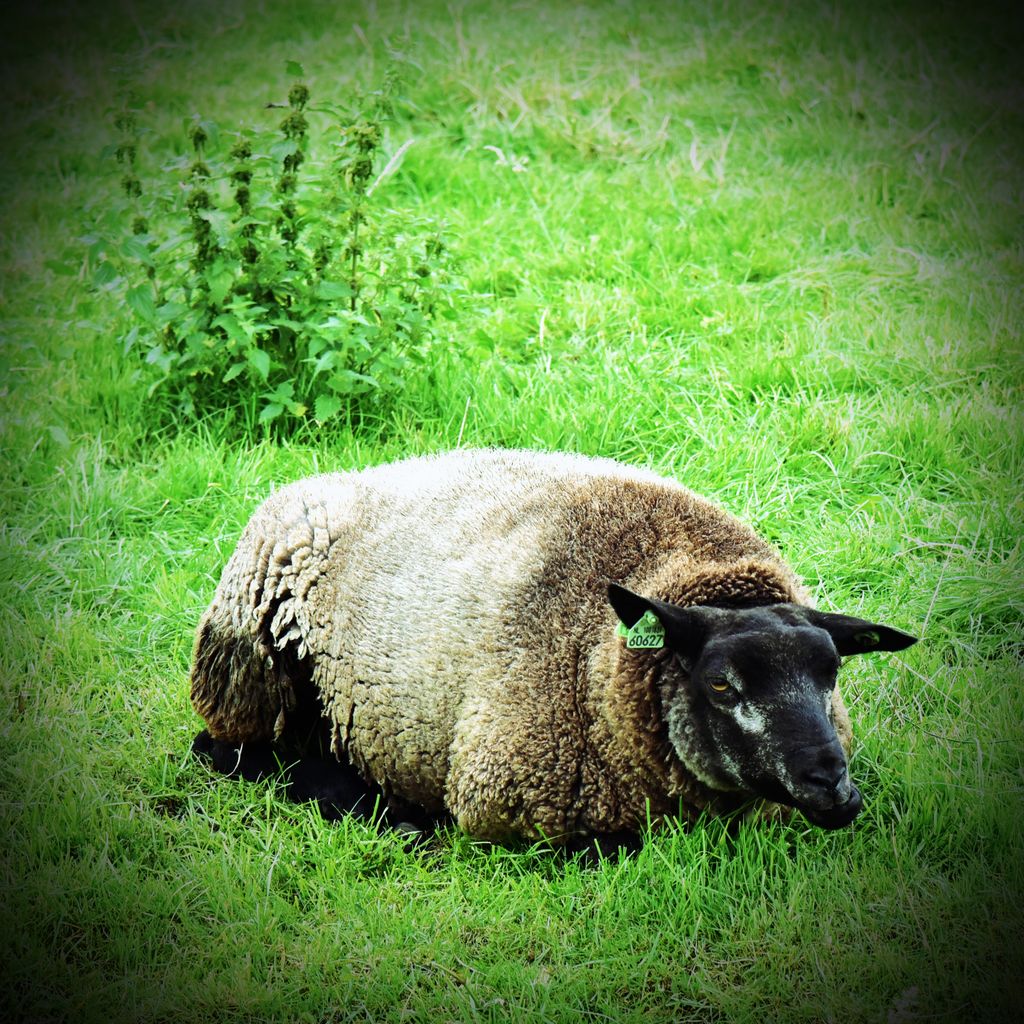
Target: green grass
(776,254)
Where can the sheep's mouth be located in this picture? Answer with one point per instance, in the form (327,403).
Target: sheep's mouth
(837,816)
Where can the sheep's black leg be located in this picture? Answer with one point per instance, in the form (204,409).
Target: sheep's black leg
(251,761)
(606,846)
(337,788)
(303,761)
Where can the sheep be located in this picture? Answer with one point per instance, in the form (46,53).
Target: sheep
(534,644)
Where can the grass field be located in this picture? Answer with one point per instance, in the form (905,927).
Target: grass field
(773,252)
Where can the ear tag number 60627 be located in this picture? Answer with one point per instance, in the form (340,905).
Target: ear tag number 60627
(646,634)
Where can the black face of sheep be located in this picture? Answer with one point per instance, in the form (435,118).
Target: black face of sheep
(748,698)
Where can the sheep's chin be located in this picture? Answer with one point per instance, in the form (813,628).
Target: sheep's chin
(835,817)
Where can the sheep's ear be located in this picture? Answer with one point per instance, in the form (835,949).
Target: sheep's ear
(629,607)
(858,636)
(686,629)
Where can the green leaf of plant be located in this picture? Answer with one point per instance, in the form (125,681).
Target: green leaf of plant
(347,382)
(294,69)
(233,371)
(61,268)
(169,312)
(294,325)
(158,356)
(140,299)
(198,344)
(286,147)
(271,412)
(104,274)
(483,340)
(333,290)
(133,249)
(324,362)
(259,361)
(325,407)
(172,243)
(231,327)
(219,279)
(60,435)
(197,347)
(220,221)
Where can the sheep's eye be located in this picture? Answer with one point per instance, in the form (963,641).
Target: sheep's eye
(719,684)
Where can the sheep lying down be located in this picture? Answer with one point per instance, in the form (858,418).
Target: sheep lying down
(531,643)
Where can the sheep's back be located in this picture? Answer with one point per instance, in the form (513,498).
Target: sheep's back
(419,600)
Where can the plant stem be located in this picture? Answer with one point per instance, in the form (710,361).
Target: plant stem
(355,257)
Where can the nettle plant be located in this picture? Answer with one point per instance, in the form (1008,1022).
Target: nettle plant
(282,283)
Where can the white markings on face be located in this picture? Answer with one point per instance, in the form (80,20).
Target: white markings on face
(746,715)
(733,677)
(827,698)
(749,718)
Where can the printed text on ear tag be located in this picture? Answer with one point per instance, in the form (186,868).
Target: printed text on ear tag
(648,634)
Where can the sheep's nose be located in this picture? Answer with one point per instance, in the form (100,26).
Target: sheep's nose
(821,772)
(828,779)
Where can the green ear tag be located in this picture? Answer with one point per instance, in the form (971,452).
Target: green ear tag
(647,635)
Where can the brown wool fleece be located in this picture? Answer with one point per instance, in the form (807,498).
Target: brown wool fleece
(452,611)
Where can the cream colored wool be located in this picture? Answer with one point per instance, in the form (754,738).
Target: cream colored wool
(453,611)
